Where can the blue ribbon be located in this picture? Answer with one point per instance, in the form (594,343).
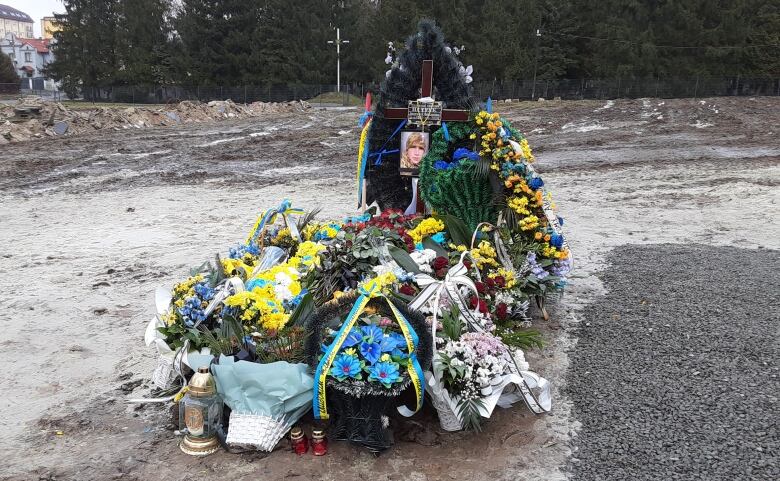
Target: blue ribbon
(489,105)
(445,131)
(382,150)
(364,118)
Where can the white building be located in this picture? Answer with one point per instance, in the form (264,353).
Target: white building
(30,57)
(15,22)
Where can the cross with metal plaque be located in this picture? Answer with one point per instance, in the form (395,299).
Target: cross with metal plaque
(425,112)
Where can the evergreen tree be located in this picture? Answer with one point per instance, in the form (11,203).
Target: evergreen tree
(7,71)
(142,35)
(84,51)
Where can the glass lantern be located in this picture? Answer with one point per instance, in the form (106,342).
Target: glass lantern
(200,415)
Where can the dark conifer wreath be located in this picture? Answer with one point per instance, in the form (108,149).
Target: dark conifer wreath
(385,184)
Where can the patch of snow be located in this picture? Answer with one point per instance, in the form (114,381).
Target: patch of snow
(221,141)
(700,125)
(580,127)
(259,134)
(608,105)
(344,132)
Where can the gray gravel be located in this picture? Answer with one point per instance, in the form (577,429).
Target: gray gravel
(675,373)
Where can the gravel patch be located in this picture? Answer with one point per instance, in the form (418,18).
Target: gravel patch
(675,373)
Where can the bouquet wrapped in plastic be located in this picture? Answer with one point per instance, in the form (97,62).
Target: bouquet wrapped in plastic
(265,399)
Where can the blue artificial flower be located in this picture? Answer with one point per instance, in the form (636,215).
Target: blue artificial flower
(397,353)
(384,372)
(419,246)
(241,250)
(536,183)
(371,333)
(256,283)
(556,240)
(463,153)
(438,238)
(560,220)
(441,165)
(370,351)
(204,291)
(387,343)
(345,366)
(352,338)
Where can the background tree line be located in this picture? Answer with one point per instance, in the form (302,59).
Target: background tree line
(263,42)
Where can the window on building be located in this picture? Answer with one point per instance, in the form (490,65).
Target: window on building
(28,56)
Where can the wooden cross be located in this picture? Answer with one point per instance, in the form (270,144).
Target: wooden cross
(450,115)
(447,115)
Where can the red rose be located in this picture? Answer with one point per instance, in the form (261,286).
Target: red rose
(440,263)
(490,282)
(500,281)
(480,287)
(406,290)
(502,311)
(467,263)
(441,273)
(476,301)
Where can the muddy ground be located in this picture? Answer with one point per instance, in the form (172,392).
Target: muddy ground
(91,225)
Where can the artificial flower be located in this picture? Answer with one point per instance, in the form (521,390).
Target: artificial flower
(385,373)
(345,366)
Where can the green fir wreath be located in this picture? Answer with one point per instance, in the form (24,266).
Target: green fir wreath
(463,191)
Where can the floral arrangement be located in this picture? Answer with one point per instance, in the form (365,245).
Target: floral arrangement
(373,352)
(469,364)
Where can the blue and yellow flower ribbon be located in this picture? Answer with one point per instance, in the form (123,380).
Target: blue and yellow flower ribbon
(372,289)
(285,209)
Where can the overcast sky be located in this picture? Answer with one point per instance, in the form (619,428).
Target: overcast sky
(37,9)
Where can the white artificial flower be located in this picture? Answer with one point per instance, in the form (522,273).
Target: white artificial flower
(282,279)
(382,269)
(389,59)
(520,360)
(466,72)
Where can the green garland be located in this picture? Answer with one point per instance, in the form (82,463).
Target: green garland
(459,191)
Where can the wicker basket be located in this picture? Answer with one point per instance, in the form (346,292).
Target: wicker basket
(255,431)
(448,420)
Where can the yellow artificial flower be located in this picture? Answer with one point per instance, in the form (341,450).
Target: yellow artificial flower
(426,228)
(509,277)
(529,222)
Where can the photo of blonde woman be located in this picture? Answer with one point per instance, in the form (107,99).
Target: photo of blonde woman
(414,146)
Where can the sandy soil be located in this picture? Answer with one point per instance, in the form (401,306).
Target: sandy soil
(92,224)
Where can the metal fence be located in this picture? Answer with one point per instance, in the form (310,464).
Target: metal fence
(350,94)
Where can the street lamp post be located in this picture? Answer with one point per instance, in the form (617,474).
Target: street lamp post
(338,43)
(536,58)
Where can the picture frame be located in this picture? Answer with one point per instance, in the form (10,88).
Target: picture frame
(414,146)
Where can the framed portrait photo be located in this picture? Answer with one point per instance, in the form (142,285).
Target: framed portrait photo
(414,146)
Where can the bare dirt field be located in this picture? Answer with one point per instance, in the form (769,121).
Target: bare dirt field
(90,225)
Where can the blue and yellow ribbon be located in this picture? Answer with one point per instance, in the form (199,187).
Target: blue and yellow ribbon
(285,209)
(362,161)
(370,290)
